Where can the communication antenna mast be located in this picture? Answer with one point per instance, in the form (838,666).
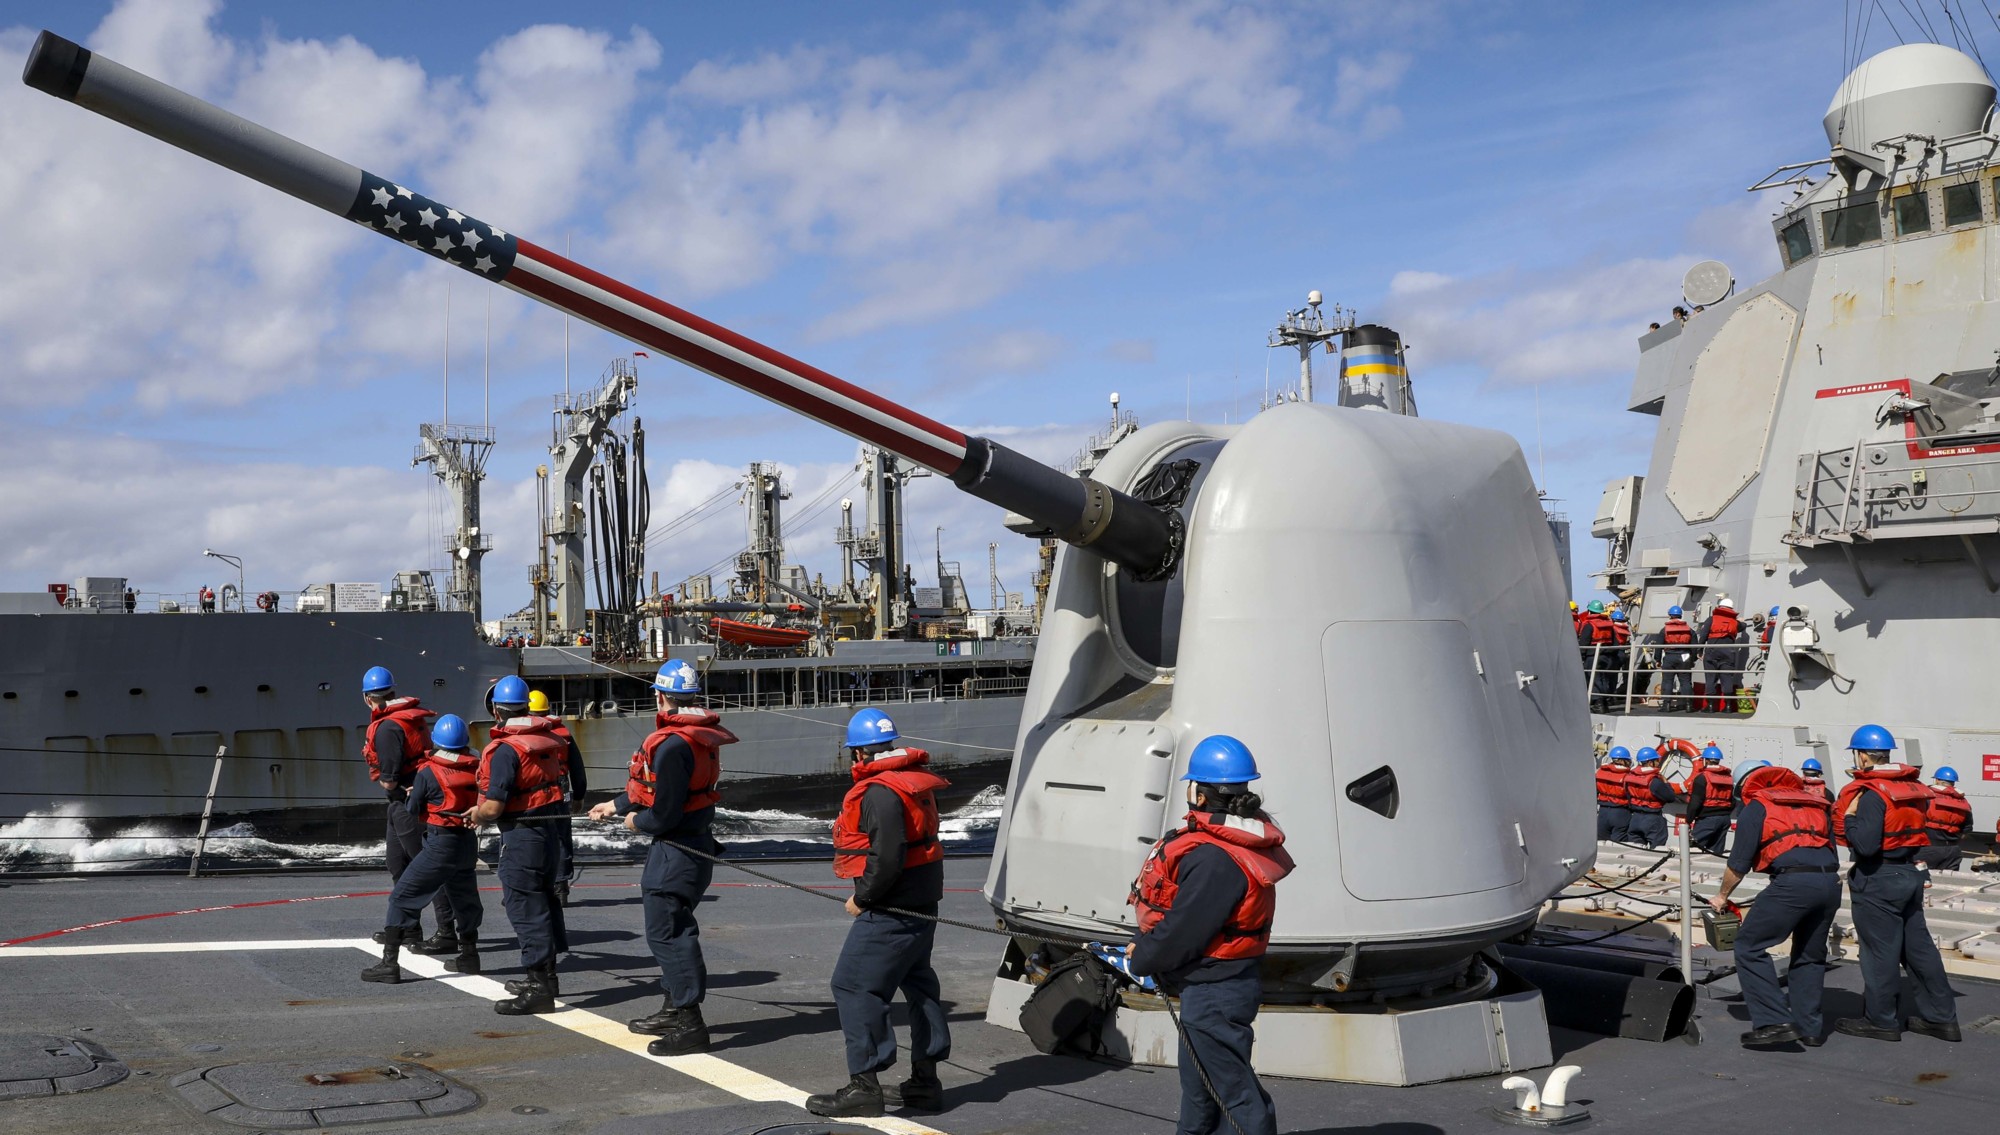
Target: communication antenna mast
(1305,330)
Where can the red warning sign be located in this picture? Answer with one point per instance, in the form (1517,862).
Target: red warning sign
(1991,763)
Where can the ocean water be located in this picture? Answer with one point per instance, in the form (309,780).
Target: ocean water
(58,841)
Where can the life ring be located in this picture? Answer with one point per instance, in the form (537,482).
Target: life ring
(1680,746)
(266,600)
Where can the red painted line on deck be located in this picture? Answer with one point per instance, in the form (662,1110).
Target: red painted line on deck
(369,895)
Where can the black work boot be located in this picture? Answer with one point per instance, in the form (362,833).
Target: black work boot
(1942,1030)
(520,984)
(445,941)
(467,960)
(687,1034)
(1863,1027)
(538,996)
(386,971)
(923,1091)
(861,1096)
(658,1022)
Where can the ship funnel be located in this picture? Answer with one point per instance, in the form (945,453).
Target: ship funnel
(1922,89)
(1373,375)
(1131,533)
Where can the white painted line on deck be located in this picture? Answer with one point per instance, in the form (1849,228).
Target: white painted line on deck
(714,1071)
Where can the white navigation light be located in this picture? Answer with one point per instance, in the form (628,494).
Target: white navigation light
(1707,282)
(1918,88)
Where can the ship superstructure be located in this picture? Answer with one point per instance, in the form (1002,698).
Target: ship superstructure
(1829,449)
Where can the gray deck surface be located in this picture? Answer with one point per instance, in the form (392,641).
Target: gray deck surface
(770,952)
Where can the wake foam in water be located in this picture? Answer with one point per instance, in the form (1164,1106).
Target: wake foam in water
(62,840)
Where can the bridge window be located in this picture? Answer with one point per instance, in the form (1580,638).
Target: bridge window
(1913,214)
(1961,205)
(1852,226)
(1795,241)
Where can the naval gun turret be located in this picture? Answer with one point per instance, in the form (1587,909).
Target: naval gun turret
(1370,600)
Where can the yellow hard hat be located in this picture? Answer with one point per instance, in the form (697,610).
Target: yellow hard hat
(538,702)
(1572,604)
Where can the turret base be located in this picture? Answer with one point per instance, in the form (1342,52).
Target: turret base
(1504,1032)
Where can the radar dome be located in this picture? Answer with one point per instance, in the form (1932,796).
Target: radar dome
(1918,88)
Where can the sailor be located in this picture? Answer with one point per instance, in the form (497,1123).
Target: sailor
(1880,816)
(1710,800)
(1204,901)
(1677,655)
(1815,777)
(1949,816)
(671,789)
(444,790)
(574,788)
(886,840)
(1619,657)
(1787,833)
(1575,617)
(1770,628)
(520,785)
(1724,655)
(1614,815)
(1647,792)
(393,755)
(1595,636)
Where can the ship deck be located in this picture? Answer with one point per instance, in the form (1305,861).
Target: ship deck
(190,974)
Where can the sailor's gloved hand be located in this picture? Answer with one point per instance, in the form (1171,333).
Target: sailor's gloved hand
(1119,960)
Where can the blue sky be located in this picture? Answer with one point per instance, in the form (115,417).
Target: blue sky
(998,214)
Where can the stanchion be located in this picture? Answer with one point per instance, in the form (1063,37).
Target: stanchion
(207,810)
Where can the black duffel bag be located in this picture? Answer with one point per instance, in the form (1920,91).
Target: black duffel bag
(1072,1005)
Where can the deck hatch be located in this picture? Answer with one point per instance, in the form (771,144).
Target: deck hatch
(322,1093)
(36,1064)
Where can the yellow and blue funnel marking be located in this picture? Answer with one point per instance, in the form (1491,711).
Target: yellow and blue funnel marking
(1371,361)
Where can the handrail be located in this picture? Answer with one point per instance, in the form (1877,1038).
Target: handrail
(1630,694)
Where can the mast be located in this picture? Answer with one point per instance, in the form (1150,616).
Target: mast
(457,455)
(580,424)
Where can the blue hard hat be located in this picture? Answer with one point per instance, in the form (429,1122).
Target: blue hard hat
(1617,616)
(871,727)
(677,678)
(1649,755)
(510,690)
(1774,612)
(448,732)
(1713,755)
(1946,773)
(1618,753)
(1872,738)
(1673,612)
(1811,764)
(1221,759)
(377,679)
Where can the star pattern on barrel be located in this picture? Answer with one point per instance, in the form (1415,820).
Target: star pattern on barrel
(433,227)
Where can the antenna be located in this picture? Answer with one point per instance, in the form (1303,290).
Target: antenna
(1541,468)
(486,377)
(447,352)
(565,335)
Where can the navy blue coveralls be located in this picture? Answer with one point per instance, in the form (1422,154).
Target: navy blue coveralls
(404,834)
(1218,996)
(1799,904)
(885,952)
(444,867)
(1888,907)
(673,882)
(531,864)
(1648,826)
(1708,828)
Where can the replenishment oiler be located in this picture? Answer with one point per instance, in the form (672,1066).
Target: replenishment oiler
(1402,690)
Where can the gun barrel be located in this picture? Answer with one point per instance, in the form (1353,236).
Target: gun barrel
(1113,524)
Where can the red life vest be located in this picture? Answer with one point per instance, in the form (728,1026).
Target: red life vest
(1612,787)
(1950,815)
(1601,633)
(1905,799)
(1257,846)
(1765,638)
(543,758)
(457,776)
(1821,789)
(901,771)
(1792,819)
(415,721)
(1621,633)
(704,738)
(1639,787)
(1723,624)
(1676,632)
(1717,786)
